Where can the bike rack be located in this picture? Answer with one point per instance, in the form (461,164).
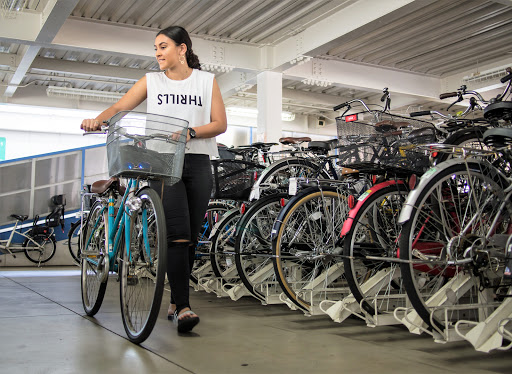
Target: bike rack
(205,272)
(271,291)
(235,290)
(382,317)
(411,320)
(212,285)
(444,297)
(341,310)
(488,335)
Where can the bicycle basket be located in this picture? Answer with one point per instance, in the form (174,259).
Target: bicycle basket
(143,145)
(380,126)
(233,179)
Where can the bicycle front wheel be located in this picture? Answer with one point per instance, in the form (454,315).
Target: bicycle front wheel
(74,240)
(142,267)
(94,264)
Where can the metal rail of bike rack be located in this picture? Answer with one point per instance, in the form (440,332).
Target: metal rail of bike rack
(212,285)
(271,292)
(342,309)
(489,334)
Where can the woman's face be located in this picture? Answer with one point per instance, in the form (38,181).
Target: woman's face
(167,53)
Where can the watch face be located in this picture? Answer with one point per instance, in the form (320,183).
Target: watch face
(192,133)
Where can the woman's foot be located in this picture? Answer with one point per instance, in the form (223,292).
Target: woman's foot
(186,320)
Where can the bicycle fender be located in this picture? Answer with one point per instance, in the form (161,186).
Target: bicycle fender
(256,186)
(216,227)
(347,225)
(413,196)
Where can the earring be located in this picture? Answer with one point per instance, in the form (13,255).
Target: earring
(182,60)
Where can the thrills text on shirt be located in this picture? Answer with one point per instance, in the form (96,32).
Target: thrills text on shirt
(179,99)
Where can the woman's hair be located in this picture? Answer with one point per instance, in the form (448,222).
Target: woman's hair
(180,36)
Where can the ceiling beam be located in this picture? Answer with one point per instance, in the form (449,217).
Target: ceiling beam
(366,77)
(87,69)
(106,37)
(50,20)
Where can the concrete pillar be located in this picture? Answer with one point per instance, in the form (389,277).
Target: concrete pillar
(270,102)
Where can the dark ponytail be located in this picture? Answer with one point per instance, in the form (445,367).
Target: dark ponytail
(180,36)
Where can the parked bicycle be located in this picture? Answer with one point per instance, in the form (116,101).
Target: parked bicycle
(38,242)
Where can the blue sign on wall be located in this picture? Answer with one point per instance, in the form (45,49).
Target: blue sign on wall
(2,149)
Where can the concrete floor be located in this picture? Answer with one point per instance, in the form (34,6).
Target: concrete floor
(43,329)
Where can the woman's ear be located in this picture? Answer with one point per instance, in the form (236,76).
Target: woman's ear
(184,48)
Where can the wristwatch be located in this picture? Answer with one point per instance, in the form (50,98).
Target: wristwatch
(192,133)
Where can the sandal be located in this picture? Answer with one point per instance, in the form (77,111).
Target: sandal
(170,314)
(185,324)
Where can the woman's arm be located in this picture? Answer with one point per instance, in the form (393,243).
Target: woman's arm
(219,123)
(135,95)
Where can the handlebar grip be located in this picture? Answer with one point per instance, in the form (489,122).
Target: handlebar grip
(447,95)
(506,78)
(338,107)
(419,114)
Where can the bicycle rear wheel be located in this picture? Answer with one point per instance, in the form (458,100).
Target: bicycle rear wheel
(374,282)
(453,242)
(142,267)
(94,264)
(253,246)
(222,252)
(304,246)
(41,250)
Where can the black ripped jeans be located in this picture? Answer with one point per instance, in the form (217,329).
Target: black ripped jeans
(185,205)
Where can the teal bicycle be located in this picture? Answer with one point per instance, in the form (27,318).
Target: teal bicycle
(125,231)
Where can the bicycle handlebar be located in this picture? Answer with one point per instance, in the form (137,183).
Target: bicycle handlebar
(347,104)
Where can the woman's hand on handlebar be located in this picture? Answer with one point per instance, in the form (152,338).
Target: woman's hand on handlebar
(90,125)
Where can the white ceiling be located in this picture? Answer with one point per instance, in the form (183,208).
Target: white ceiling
(350,48)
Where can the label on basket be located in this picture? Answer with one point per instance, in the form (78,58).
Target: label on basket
(351,118)
(292,187)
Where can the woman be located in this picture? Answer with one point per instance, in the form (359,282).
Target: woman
(183,91)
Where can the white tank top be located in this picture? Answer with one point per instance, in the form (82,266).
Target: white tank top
(189,99)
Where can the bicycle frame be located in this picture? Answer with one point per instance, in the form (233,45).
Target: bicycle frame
(11,248)
(114,221)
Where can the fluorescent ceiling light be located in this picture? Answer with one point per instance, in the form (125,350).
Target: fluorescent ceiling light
(253,113)
(78,93)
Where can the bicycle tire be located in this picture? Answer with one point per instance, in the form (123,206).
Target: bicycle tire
(280,172)
(93,282)
(213,214)
(304,245)
(142,268)
(42,254)
(374,232)
(223,245)
(442,207)
(74,241)
(253,245)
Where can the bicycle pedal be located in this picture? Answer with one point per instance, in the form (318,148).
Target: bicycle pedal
(132,280)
